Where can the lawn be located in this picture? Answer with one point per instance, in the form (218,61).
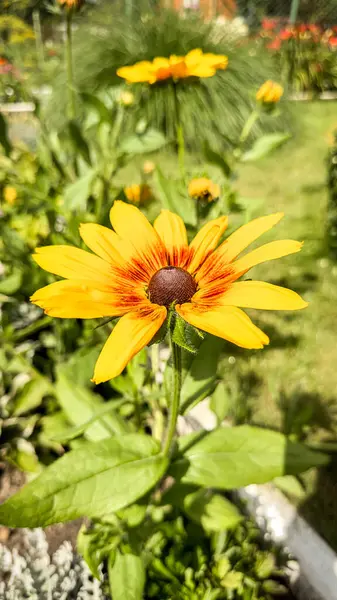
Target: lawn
(302,355)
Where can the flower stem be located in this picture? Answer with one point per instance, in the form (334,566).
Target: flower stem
(179,133)
(69,64)
(175,399)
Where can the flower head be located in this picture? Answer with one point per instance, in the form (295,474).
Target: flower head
(204,189)
(71,4)
(10,194)
(194,64)
(148,167)
(127,98)
(138,193)
(138,271)
(269,93)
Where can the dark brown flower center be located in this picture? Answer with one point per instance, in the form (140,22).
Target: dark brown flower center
(171,284)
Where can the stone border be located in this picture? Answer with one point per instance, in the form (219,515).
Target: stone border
(313,575)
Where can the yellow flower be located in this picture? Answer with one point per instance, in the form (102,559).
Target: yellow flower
(269,92)
(138,271)
(203,188)
(127,99)
(137,193)
(71,3)
(194,64)
(10,194)
(148,167)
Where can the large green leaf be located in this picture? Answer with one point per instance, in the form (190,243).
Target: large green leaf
(76,194)
(150,141)
(80,405)
(126,577)
(201,376)
(233,457)
(98,479)
(32,395)
(264,145)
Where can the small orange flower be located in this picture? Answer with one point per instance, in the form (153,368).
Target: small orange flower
(270,92)
(137,193)
(194,64)
(204,189)
(139,271)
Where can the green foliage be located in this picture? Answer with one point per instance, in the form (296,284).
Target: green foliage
(211,109)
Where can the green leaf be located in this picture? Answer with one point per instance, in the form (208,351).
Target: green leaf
(94,102)
(201,376)
(79,142)
(265,565)
(126,577)
(173,196)
(181,335)
(212,511)
(218,160)
(31,395)
(74,432)
(150,141)
(232,581)
(264,145)
(80,405)
(290,485)
(11,284)
(234,457)
(4,139)
(98,479)
(76,194)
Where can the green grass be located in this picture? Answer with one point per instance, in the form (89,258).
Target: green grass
(301,362)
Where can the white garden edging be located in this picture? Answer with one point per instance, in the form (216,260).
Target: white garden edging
(313,576)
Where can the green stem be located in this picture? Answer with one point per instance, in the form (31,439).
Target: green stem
(175,399)
(248,126)
(69,65)
(38,38)
(180,133)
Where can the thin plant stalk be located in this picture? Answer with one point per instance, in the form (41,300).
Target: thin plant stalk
(180,133)
(38,38)
(175,398)
(248,126)
(69,66)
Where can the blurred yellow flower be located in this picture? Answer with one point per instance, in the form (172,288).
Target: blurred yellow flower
(148,167)
(194,64)
(127,99)
(71,3)
(270,92)
(137,193)
(203,188)
(10,194)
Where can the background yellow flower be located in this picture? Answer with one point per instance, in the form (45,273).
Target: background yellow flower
(270,92)
(204,188)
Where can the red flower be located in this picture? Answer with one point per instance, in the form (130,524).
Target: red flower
(275,44)
(302,28)
(333,41)
(286,34)
(269,24)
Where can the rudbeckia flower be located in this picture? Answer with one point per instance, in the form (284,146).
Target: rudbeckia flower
(204,189)
(269,93)
(137,193)
(194,64)
(138,271)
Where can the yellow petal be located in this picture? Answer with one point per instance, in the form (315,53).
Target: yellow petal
(193,57)
(172,231)
(202,70)
(236,243)
(106,243)
(262,295)
(76,299)
(72,263)
(205,241)
(229,323)
(266,252)
(140,72)
(131,225)
(134,331)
